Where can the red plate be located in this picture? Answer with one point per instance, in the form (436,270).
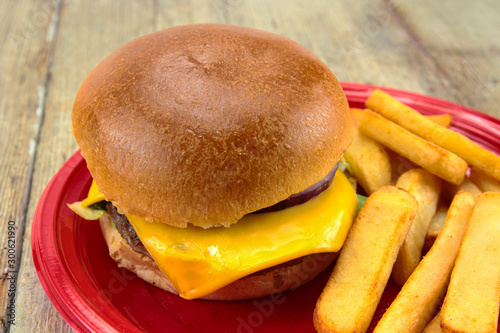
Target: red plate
(93,295)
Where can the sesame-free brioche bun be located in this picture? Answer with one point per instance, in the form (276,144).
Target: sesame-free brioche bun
(205,123)
(270,281)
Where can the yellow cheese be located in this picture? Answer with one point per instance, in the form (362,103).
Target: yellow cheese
(199,261)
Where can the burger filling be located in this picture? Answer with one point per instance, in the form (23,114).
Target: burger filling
(200,261)
(126,230)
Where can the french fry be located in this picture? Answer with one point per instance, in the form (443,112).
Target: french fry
(472,301)
(356,115)
(441,119)
(449,190)
(484,182)
(429,156)
(436,224)
(392,109)
(368,161)
(351,295)
(420,298)
(435,325)
(426,188)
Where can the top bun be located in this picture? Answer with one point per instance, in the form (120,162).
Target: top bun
(205,123)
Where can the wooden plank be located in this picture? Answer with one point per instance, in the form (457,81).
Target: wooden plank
(87,32)
(343,34)
(24,59)
(352,38)
(179,12)
(463,43)
(411,45)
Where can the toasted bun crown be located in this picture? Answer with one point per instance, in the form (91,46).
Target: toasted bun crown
(205,123)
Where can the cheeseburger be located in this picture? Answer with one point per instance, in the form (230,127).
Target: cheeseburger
(213,151)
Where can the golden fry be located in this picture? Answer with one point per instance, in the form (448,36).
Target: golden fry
(420,298)
(429,156)
(484,182)
(435,325)
(368,161)
(356,115)
(473,297)
(351,295)
(426,188)
(441,119)
(436,224)
(392,109)
(398,163)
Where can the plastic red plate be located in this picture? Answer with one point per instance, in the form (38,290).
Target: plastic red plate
(93,295)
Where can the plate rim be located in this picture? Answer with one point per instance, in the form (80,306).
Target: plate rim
(81,315)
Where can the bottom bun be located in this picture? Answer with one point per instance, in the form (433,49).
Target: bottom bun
(267,282)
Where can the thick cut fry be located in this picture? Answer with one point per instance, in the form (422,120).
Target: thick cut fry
(356,115)
(426,188)
(436,224)
(484,182)
(449,190)
(398,163)
(351,295)
(429,156)
(441,119)
(435,325)
(368,161)
(473,297)
(418,124)
(420,298)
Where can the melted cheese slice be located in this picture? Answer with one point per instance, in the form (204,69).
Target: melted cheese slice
(200,261)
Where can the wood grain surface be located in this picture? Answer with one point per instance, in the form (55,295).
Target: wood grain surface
(448,49)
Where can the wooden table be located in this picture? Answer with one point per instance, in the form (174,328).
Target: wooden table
(449,49)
